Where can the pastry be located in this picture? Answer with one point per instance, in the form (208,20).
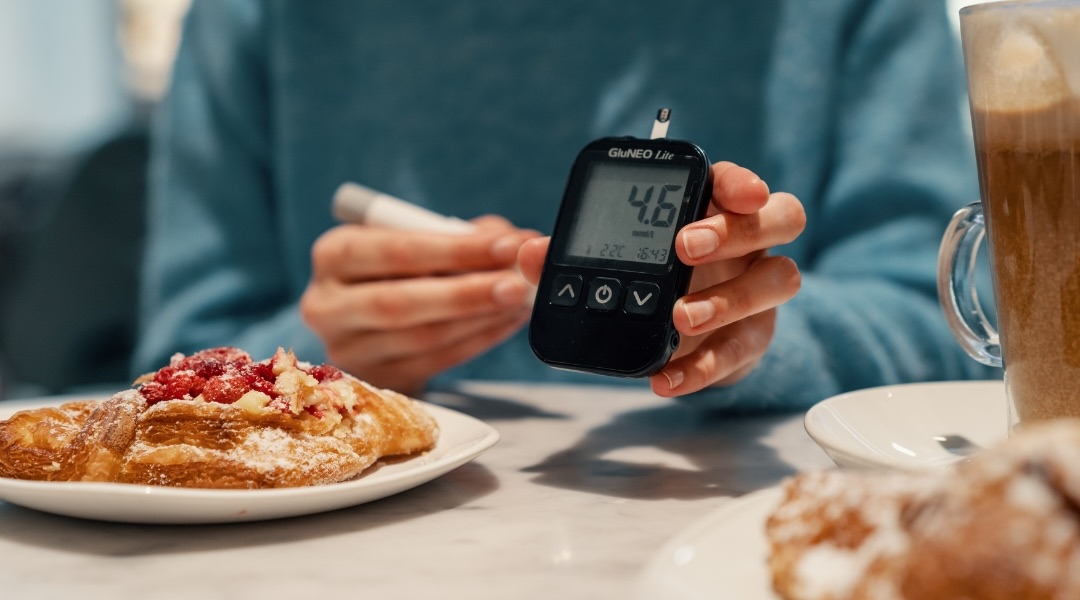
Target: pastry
(218,419)
(1004,525)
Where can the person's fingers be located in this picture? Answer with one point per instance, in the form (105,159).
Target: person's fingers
(404,303)
(409,375)
(730,235)
(769,282)
(493,223)
(374,347)
(710,274)
(497,223)
(531,258)
(722,358)
(737,189)
(353,253)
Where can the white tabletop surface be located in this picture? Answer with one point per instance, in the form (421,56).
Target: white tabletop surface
(585,486)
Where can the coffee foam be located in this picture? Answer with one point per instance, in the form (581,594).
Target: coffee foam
(1061,33)
(1014,56)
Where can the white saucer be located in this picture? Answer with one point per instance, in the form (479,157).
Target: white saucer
(722,555)
(909,426)
(461,438)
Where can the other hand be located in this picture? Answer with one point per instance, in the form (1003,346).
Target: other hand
(396,308)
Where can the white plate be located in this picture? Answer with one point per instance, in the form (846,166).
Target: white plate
(901,426)
(721,556)
(461,438)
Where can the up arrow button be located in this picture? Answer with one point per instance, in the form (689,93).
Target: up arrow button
(565,290)
(642,298)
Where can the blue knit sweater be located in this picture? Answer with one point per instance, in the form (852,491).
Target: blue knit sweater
(480,107)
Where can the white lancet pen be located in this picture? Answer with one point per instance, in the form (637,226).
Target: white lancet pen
(354,203)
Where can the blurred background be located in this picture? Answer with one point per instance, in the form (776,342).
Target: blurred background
(79,82)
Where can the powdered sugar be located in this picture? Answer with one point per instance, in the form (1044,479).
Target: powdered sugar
(1031,494)
(827,571)
(269,449)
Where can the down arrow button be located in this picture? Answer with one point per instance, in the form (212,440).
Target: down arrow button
(642,298)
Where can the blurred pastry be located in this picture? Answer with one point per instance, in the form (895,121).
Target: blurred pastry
(1003,525)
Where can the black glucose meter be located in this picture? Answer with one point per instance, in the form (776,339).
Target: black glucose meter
(611,277)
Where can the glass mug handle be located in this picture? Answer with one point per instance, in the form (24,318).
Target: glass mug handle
(956,286)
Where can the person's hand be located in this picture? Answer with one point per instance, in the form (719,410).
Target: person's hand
(727,319)
(396,308)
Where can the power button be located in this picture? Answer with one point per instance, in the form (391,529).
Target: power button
(603,293)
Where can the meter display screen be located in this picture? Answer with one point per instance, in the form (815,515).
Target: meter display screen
(628,212)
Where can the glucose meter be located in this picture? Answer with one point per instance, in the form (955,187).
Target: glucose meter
(611,277)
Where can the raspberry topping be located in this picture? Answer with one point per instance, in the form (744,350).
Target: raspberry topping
(213,362)
(153,391)
(165,374)
(226,388)
(224,375)
(184,383)
(325,373)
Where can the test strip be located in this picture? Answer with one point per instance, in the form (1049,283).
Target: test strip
(660,126)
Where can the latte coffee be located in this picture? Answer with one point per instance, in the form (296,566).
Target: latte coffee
(1030,180)
(1023,73)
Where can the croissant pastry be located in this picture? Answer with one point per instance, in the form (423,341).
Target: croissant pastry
(1004,525)
(218,419)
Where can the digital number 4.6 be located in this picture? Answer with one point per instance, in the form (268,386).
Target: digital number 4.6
(667,210)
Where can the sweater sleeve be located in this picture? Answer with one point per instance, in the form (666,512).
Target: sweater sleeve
(212,263)
(898,163)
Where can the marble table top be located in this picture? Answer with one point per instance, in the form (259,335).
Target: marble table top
(586,484)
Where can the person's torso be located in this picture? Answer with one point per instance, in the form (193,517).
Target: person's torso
(474,108)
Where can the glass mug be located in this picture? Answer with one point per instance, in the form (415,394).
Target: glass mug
(1023,70)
